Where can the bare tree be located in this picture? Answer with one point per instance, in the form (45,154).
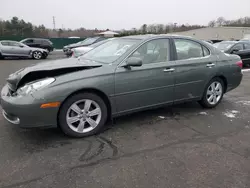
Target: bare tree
(220,21)
(212,23)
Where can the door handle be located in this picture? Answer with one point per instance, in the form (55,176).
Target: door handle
(169,70)
(210,65)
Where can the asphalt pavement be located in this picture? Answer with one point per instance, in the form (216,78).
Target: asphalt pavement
(181,146)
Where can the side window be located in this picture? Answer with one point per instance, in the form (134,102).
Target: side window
(187,49)
(238,47)
(5,43)
(14,44)
(29,41)
(247,46)
(154,51)
(205,51)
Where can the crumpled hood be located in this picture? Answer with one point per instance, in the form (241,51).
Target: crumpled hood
(48,67)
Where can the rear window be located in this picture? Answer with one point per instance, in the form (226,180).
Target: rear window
(223,45)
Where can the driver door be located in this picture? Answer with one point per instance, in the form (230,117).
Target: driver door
(149,85)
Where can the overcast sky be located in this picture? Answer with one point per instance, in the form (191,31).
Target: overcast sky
(121,14)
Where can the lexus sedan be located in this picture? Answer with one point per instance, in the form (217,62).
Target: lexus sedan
(121,76)
(17,49)
(241,48)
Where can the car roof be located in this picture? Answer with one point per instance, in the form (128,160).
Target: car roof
(232,42)
(36,38)
(153,36)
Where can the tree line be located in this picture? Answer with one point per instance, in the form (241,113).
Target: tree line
(18,27)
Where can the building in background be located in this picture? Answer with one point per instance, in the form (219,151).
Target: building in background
(218,33)
(107,34)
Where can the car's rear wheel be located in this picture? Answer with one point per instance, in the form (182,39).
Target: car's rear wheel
(83,114)
(37,55)
(213,93)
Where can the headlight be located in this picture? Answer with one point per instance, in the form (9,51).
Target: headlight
(31,87)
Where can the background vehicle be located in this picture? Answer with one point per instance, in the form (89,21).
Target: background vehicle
(76,52)
(241,48)
(18,49)
(88,41)
(39,43)
(121,76)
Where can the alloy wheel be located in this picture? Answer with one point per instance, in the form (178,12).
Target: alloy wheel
(214,93)
(37,55)
(83,116)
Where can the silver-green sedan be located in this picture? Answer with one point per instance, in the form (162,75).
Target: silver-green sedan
(121,76)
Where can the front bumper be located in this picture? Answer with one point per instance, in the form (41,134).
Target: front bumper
(25,111)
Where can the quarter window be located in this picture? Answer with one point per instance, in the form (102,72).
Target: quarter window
(205,51)
(154,51)
(187,49)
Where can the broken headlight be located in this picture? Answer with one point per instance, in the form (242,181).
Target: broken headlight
(34,86)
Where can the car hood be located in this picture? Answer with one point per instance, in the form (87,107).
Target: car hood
(76,45)
(48,69)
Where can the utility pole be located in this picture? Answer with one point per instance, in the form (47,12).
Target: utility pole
(54,22)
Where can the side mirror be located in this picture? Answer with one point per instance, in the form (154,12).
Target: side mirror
(133,62)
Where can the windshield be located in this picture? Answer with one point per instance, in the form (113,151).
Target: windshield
(110,51)
(89,41)
(98,43)
(223,45)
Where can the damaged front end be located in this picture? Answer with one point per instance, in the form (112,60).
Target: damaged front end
(42,71)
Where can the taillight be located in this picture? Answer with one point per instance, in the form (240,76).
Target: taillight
(240,64)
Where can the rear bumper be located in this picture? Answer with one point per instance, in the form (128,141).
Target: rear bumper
(25,111)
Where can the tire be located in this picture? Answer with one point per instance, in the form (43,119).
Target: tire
(75,123)
(37,55)
(45,56)
(1,56)
(211,98)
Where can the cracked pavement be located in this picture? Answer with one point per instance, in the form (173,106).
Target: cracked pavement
(178,146)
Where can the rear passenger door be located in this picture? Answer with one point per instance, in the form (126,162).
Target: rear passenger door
(5,48)
(194,68)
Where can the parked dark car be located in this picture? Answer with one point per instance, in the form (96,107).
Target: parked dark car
(88,41)
(121,76)
(39,43)
(241,48)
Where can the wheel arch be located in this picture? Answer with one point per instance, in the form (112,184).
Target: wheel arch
(90,90)
(224,79)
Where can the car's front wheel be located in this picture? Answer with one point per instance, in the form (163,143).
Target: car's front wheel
(213,93)
(37,55)
(83,114)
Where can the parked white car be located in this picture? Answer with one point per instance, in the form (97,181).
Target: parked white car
(76,52)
